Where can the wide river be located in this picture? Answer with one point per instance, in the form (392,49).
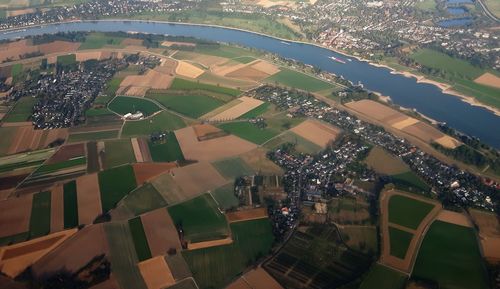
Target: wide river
(425,98)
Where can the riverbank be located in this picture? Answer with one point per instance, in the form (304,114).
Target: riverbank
(444,87)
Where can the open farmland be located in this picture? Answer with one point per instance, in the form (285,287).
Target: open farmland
(156,273)
(225,198)
(409,181)
(182,84)
(22,110)
(145,172)
(384,163)
(40,214)
(70,205)
(249,131)
(217,266)
(166,150)
(246,215)
(244,105)
(139,237)
(399,242)
(489,233)
(118,152)
(57,209)
(163,121)
(381,276)
(88,198)
(450,256)
(161,232)
(233,168)
(123,105)
(143,199)
(200,219)
(399,206)
(317,132)
(150,80)
(15,216)
(211,149)
(362,238)
(256,278)
(349,211)
(301,144)
(99,40)
(295,79)
(115,184)
(190,104)
(189,70)
(489,80)
(316,256)
(93,136)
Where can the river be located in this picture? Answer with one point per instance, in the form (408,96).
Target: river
(425,98)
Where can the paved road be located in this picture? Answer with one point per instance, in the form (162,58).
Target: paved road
(488,12)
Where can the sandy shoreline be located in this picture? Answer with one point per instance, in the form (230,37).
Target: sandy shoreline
(445,88)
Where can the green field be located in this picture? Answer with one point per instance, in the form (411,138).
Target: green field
(167,150)
(426,5)
(24,160)
(249,131)
(16,70)
(111,88)
(123,256)
(439,60)
(140,240)
(450,256)
(399,206)
(233,168)
(295,79)
(118,152)
(70,205)
(22,110)
(40,215)
(115,184)
(225,196)
(46,169)
(381,276)
(193,105)
(183,84)
(123,105)
(216,266)
(200,219)
(244,59)
(66,60)
(409,181)
(89,136)
(164,121)
(99,40)
(144,199)
(399,240)
(97,112)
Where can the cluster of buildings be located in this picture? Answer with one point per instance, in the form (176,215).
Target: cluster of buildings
(452,185)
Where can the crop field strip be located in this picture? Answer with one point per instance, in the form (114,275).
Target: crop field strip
(400,206)
(118,152)
(40,214)
(70,205)
(115,184)
(140,240)
(167,150)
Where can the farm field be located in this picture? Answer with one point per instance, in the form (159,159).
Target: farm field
(381,276)
(51,168)
(187,85)
(66,60)
(193,105)
(399,242)
(163,121)
(301,144)
(249,131)
(145,172)
(115,184)
(384,163)
(123,105)
(167,150)
(216,266)
(225,196)
(200,219)
(118,152)
(489,233)
(409,181)
(349,211)
(139,237)
(450,256)
(144,199)
(21,111)
(161,233)
(92,136)
(361,238)
(399,206)
(258,111)
(40,215)
(232,168)
(70,205)
(298,80)
(99,40)
(321,134)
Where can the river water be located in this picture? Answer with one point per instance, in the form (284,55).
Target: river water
(425,98)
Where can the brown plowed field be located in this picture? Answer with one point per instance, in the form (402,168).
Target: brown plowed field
(489,80)
(489,233)
(111,283)
(59,46)
(160,232)
(146,155)
(89,198)
(386,258)
(208,244)
(67,152)
(254,71)
(400,121)
(170,43)
(15,215)
(57,209)
(245,105)
(156,273)
(204,130)
(167,66)
(203,59)
(213,149)
(197,178)
(26,139)
(317,132)
(146,171)
(187,69)
(245,215)
(152,79)
(454,218)
(132,41)
(75,253)
(137,150)
(16,258)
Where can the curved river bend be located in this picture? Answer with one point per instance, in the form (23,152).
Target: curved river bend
(425,98)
